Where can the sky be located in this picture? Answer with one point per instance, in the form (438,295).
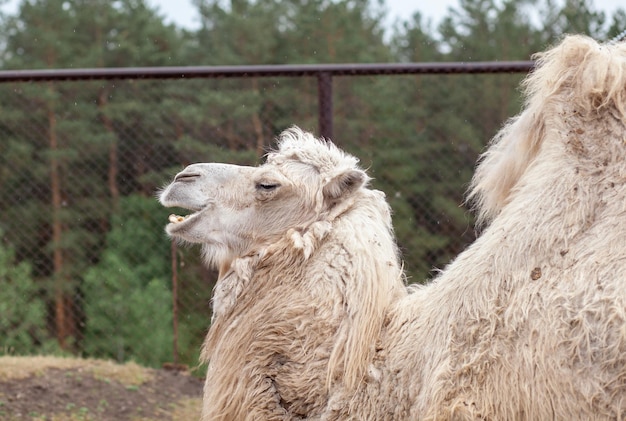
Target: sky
(182,12)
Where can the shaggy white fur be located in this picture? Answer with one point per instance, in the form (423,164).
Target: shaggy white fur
(312,320)
(529,323)
(308,267)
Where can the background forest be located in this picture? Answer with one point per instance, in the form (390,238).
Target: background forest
(85,266)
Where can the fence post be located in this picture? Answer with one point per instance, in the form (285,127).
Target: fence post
(175,300)
(325,104)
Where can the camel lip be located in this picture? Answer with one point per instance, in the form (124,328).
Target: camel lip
(176,204)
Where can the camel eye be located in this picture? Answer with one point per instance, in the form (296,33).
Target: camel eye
(267,186)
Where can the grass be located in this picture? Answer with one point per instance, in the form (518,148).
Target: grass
(131,375)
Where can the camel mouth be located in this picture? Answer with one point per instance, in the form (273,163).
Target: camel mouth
(176,219)
(178,224)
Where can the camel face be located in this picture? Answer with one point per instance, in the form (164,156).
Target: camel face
(233,207)
(202,189)
(238,210)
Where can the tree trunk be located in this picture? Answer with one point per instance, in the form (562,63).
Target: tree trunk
(113,155)
(62,303)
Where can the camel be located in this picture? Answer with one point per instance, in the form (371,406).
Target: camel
(307,264)
(312,318)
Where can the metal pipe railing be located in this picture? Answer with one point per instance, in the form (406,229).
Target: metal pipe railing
(323,72)
(188,72)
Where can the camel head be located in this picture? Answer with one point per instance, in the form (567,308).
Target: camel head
(239,210)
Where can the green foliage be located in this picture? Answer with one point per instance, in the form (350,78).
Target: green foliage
(128,303)
(575,17)
(83,129)
(618,23)
(23,309)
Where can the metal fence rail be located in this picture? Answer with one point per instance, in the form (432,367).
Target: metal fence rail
(323,72)
(295,70)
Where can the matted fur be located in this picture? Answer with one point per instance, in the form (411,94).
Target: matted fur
(579,75)
(528,323)
(297,310)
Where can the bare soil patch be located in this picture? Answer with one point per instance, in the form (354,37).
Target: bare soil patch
(55,389)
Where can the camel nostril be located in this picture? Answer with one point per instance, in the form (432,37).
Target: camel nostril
(184,177)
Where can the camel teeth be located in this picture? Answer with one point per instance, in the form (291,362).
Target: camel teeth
(174,219)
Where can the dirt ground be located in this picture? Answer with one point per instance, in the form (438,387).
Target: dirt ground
(68,389)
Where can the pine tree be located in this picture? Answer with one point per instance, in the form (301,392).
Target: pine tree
(128,305)
(75,137)
(22,325)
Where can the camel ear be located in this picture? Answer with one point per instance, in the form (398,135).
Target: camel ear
(344,184)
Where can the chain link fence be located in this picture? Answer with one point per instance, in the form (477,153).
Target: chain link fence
(85,265)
